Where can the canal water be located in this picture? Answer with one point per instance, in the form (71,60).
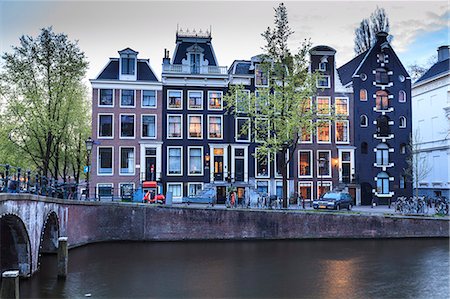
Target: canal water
(409,268)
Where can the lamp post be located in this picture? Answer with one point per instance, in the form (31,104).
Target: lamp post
(89,144)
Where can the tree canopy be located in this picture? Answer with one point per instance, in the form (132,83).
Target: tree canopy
(365,34)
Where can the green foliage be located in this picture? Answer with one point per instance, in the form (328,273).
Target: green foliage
(46,111)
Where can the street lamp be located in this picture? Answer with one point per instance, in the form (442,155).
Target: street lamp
(89,144)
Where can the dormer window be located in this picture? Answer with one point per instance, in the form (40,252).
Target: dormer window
(195,58)
(261,78)
(195,63)
(128,64)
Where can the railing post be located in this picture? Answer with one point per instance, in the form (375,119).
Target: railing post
(36,184)
(6,177)
(19,172)
(63,257)
(28,181)
(10,285)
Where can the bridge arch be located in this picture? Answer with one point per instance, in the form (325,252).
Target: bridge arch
(15,246)
(48,242)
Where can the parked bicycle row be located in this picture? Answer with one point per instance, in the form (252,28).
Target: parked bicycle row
(422,205)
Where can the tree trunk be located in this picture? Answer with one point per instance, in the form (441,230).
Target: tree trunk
(284,168)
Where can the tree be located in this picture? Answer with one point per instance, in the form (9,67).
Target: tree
(365,34)
(281,110)
(416,70)
(418,168)
(46,104)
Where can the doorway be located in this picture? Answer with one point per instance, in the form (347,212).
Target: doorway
(218,164)
(150,164)
(221,194)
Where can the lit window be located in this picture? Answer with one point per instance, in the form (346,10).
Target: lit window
(174,126)
(261,78)
(127,98)
(195,126)
(262,164)
(128,66)
(323,106)
(242,129)
(126,160)
(175,99)
(195,160)
(106,97)
(323,82)
(381,76)
(323,132)
(215,100)
(105,160)
(402,96)
(127,126)
(149,98)
(383,183)
(195,189)
(341,106)
(363,121)
(195,99)
(148,126)
(363,95)
(342,134)
(382,100)
(323,163)
(305,133)
(305,106)
(215,127)
(174,160)
(382,154)
(305,190)
(402,122)
(105,127)
(304,163)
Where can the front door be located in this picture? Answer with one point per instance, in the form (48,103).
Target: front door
(218,164)
(366,194)
(346,173)
(221,194)
(150,168)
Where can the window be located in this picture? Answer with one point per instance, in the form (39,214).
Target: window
(215,127)
(261,100)
(176,189)
(383,126)
(214,100)
(323,187)
(363,76)
(262,187)
(148,126)
(401,78)
(127,126)
(363,95)
(341,106)
(174,160)
(305,190)
(383,183)
(195,99)
(402,148)
(381,76)
(364,148)
(363,121)
(126,160)
(242,129)
(324,163)
(105,160)
(195,164)
(262,164)
(149,98)
(128,66)
(126,190)
(402,96)
(402,182)
(105,125)
(175,99)
(242,101)
(105,191)
(305,133)
(381,57)
(402,122)
(261,78)
(261,129)
(127,98)
(174,126)
(106,97)
(382,154)
(323,82)
(342,134)
(323,132)
(195,63)
(323,106)
(195,126)
(382,100)
(194,189)
(305,105)
(323,66)
(279,189)
(304,163)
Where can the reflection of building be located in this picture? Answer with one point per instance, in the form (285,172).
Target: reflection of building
(126,116)
(382,118)
(431,116)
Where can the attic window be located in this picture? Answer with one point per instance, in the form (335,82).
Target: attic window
(381,76)
(381,57)
(128,65)
(323,66)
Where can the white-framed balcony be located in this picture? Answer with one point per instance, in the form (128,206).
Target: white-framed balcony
(194,70)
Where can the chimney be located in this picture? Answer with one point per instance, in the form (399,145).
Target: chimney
(166,59)
(382,36)
(443,53)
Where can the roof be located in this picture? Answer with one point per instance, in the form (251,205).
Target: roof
(205,45)
(240,67)
(347,70)
(438,68)
(322,48)
(111,71)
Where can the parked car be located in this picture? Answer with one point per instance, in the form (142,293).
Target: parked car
(334,201)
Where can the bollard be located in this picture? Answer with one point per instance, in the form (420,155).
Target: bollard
(63,257)
(10,285)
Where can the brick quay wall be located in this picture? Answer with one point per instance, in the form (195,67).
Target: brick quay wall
(90,222)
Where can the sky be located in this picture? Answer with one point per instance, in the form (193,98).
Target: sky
(102,28)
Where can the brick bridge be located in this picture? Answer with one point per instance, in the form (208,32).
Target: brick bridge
(30,225)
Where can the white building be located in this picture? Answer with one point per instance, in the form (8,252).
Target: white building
(431,119)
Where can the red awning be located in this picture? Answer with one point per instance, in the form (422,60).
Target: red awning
(151,184)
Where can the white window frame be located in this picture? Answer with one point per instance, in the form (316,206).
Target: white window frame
(188,97)
(324,184)
(104,185)
(193,183)
(329,130)
(248,100)
(257,65)
(120,187)
(311,164)
(181,126)
(328,81)
(120,103)
(189,161)
(348,132)
(112,161)
(236,129)
(256,131)
(98,126)
(113,98)
(189,123)
(347,104)
(134,125)
(268,185)
(120,161)
(221,100)
(402,121)
(321,66)
(367,121)
(175,184)
(221,126)
(329,105)
(367,96)
(311,133)
(181,95)
(256,166)
(156,126)
(142,99)
(404,93)
(309,184)
(168,164)
(329,164)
